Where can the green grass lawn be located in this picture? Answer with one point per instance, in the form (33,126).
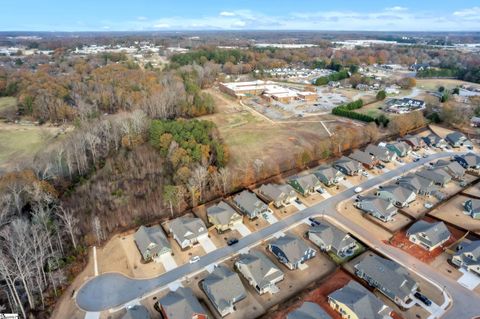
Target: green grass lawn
(7,101)
(360,249)
(18,144)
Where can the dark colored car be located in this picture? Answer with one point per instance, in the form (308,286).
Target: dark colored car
(232,241)
(299,202)
(416,159)
(423,299)
(314,221)
(380,166)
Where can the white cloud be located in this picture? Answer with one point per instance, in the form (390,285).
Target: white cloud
(141,18)
(227,14)
(396,9)
(470,12)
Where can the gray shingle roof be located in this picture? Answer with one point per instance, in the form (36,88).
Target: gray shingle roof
(249,202)
(260,268)
(187,228)
(292,246)
(437,175)
(181,304)
(388,274)
(332,236)
(222,212)
(454,169)
(472,159)
(455,137)
(328,171)
(399,192)
(151,239)
(309,310)
(361,301)
(223,287)
(307,181)
(418,183)
(473,249)
(373,204)
(401,146)
(276,192)
(362,157)
(380,152)
(435,232)
(348,163)
(137,312)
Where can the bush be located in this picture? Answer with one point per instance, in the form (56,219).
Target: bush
(346,110)
(381,95)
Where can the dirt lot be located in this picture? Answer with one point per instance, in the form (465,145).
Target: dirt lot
(452,212)
(401,241)
(473,191)
(284,212)
(312,199)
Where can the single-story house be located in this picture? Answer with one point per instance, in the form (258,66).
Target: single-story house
(347,166)
(308,310)
(388,277)
(468,161)
(260,272)
(223,217)
(331,239)
(328,175)
(472,208)
(457,139)
(397,194)
(224,288)
(428,235)
(187,230)
(137,312)
(454,169)
(377,207)
(415,142)
(291,251)
(468,256)
(152,242)
(382,153)
(306,184)
(181,304)
(279,195)
(402,149)
(356,301)
(434,140)
(249,204)
(367,160)
(438,176)
(420,185)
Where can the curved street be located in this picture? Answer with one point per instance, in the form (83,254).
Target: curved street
(112,290)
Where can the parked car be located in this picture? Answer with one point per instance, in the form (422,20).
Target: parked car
(194,259)
(299,202)
(314,221)
(428,205)
(423,298)
(425,155)
(320,190)
(399,160)
(416,159)
(380,166)
(358,189)
(365,174)
(232,241)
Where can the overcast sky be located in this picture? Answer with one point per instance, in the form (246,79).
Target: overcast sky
(122,15)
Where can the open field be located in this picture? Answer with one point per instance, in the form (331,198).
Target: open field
(434,84)
(7,102)
(452,212)
(21,142)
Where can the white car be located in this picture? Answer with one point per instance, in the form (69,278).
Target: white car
(194,259)
(358,189)
(365,174)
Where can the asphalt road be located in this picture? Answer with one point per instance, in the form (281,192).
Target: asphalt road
(111,290)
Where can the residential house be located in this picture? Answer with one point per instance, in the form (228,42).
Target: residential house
(260,272)
(475,121)
(434,140)
(468,161)
(279,195)
(328,175)
(223,217)
(397,194)
(309,310)
(355,301)
(137,312)
(438,176)
(224,288)
(377,207)
(428,235)
(152,242)
(306,184)
(454,169)
(420,185)
(367,160)
(291,251)
(347,166)
(472,208)
(402,149)
(388,277)
(181,304)
(249,204)
(331,239)
(187,230)
(457,139)
(381,152)
(415,142)
(468,256)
